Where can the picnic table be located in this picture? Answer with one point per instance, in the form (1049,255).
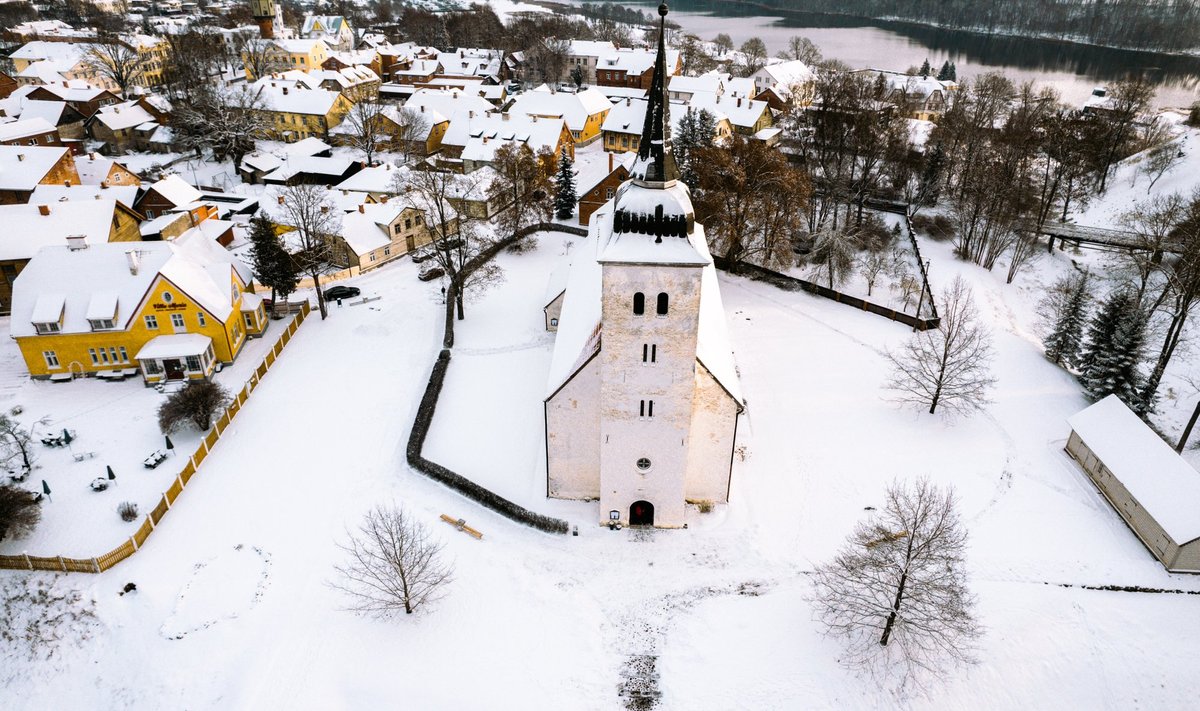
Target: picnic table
(99,484)
(80,456)
(54,441)
(156,458)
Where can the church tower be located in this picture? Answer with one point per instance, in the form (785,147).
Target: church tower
(264,13)
(644,400)
(650,317)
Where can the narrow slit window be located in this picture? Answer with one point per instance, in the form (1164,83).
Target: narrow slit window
(645,353)
(639,304)
(662,304)
(641,408)
(653,354)
(650,410)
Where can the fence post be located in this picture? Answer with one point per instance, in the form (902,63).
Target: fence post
(181,484)
(96,565)
(62,564)
(133,540)
(28,562)
(151,520)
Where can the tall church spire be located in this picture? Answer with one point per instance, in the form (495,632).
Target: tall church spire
(655,163)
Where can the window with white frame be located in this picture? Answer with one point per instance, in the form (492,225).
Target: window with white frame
(51,359)
(101,324)
(193,364)
(47,327)
(200,319)
(152,322)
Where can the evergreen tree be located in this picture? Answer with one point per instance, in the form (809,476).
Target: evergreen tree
(696,129)
(1067,306)
(944,74)
(273,266)
(931,177)
(1114,351)
(565,197)
(925,68)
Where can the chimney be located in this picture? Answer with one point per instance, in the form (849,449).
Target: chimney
(66,183)
(20,157)
(324,209)
(628,101)
(92,156)
(739,102)
(43,210)
(134,261)
(285,91)
(362,210)
(383,199)
(104,185)
(280,198)
(470,115)
(505,117)
(76,242)
(422,108)
(610,162)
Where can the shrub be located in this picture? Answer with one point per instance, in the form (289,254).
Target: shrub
(196,404)
(19,511)
(939,227)
(127,510)
(1193,118)
(705,506)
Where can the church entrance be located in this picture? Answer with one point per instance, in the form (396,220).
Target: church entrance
(641,513)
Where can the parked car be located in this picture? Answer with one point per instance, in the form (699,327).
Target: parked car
(429,272)
(341,292)
(421,254)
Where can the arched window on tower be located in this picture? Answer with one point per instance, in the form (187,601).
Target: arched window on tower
(662,304)
(639,304)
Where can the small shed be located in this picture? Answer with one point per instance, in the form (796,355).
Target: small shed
(1156,492)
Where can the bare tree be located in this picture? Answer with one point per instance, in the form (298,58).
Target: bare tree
(1159,160)
(803,49)
(259,57)
(873,264)
(362,125)
(317,222)
(19,511)
(1151,224)
(226,121)
(411,129)
(1022,252)
(897,590)
(460,245)
(18,440)
(115,62)
(523,182)
(949,364)
(832,257)
(394,564)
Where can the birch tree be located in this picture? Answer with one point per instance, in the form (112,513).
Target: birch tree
(897,590)
(948,365)
(115,62)
(316,222)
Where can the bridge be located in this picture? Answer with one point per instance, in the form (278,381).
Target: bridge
(1093,236)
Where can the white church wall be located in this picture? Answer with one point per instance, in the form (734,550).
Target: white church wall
(572,436)
(714,421)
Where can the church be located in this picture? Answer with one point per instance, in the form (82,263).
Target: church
(644,399)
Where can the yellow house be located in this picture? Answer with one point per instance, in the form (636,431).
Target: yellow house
(584,112)
(296,113)
(169,310)
(285,54)
(153,53)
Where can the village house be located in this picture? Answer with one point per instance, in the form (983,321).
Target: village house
(122,127)
(643,396)
(792,79)
(125,195)
(1154,490)
(917,97)
(171,310)
(296,114)
(67,122)
(470,64)
(584,111)
(29,132)
(418,71)
(746,116)
(312,170)
(42,62)
(374,234)
(472,140)
(622,128)
(80,96)
(95,169)
(285,54)
(494,94)
(598,184)
(367,57)
(23,168)
(257,165)
(333,30)
(632,68)
(471,195)
(7,85)
(30,227)
(586,55)
(170,195)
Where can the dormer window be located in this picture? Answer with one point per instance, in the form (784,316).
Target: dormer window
(102,324)
(47,327)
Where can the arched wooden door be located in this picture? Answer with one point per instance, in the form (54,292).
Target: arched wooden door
(641,513)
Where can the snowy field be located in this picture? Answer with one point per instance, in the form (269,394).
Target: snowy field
(233,609)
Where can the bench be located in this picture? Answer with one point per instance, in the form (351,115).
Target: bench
(80,456)
(156,458)
(461,525)
(61,377)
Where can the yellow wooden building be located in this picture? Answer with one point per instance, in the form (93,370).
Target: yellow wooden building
(296,113)
(285,54)
(169,310)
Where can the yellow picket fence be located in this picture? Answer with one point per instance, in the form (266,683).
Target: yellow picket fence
(154,518)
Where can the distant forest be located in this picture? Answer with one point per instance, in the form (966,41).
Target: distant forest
(1160,25)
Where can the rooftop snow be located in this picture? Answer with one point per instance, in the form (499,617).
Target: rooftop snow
(1161,482)
(176,345)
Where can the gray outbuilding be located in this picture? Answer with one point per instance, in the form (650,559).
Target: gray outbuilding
(1156,492)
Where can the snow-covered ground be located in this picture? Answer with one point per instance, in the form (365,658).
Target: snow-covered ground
(554,622)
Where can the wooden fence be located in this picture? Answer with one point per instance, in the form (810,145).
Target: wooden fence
(154,518)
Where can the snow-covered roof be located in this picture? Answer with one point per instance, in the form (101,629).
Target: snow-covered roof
(176,190)
(372,179)
(313,165)
(786,73)
(448,102)
(25,127)
(713,81)
(636,61)
(620,93)
(739,110)
(578,336)
(300,46)
(629,116)
(293,99)
(482,136)
(201,268)
(588,48)
(49,111)
(175,345)
(23,167)
(75,91)
(103,304)
(575,109)
(94,168)
(367,228)
(318,26)
(1159,479)
(591,173)
(52,194)
(72,52)
(123,115)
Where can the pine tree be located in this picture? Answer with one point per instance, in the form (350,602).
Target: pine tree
(564,195)
(944,73)
(931,177)
(925,68)
(1067,305)
(953,72)
(696,129)
(1114,351)
(273,266)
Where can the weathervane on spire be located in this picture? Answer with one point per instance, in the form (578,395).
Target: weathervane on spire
(655,163)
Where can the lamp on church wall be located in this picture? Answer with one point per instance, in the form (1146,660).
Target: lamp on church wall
(614,515)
